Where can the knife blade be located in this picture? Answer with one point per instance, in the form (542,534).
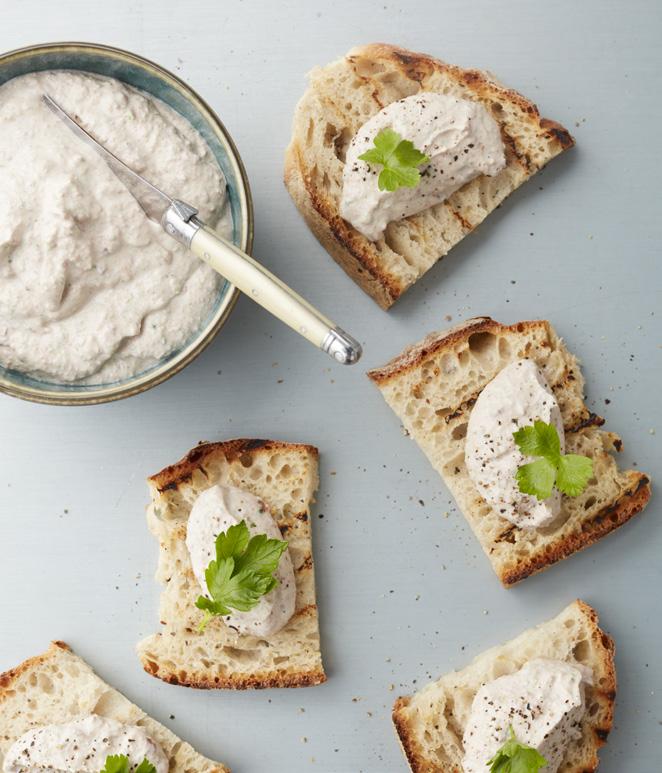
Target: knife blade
(153,201)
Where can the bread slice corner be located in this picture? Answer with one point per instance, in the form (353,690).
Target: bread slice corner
(285,476)
(340,98)
(430,724)
(432,387)
(58,687)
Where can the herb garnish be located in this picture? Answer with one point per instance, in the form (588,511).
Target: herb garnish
(569,472)
(242,572)
(516,757)
(399,160)
(119,763)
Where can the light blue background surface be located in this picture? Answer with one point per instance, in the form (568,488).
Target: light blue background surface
(404,592)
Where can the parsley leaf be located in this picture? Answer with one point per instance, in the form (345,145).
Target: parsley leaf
(539,439)
(399,160)
(573,474)
(241,573)
(119,763)
(537,478)
(145,767)
(570,472)
(516,757)
(116,763)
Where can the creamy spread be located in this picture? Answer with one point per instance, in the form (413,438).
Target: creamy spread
(459,136)
(544,704)
(516,397)
(213,512)
(90,289)
(81,746)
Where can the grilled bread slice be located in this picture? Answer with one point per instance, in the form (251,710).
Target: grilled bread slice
(432,387)
(283,475)
(430,724)
(340,98)
(58,687)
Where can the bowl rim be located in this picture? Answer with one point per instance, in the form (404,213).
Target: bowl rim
(106,394)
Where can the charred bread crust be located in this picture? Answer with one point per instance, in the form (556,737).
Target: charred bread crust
(417,66)
(166,485)
(350,249)
(256,681)
(408,743)
(8,678)
(632,501)
(346,245)
(604,688)
(31,667)
(172,476)
(415,355)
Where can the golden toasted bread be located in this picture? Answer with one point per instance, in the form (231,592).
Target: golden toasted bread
(433,386)
(59,687)
(340,98)
(284,476)
(430,724)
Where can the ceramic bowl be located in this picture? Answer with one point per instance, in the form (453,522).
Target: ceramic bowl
(149,77)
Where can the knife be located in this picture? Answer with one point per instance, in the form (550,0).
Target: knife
(179,220)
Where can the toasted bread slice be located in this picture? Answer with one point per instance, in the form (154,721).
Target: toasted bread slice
(340,98)
(432,387)
(284,475)
(59,687)
(430,724)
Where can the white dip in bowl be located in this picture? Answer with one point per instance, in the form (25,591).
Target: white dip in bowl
(91,291)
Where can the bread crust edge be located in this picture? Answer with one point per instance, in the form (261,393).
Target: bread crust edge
(632,501)
(416,354)
(7,678)
(345,245)
(338,238)
(606,695)
(629,503)
(258,681)
(182,471)
(10,676)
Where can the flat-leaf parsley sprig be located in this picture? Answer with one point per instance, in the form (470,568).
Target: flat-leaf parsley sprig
(569,472)
(119,763)
(242,572)
(516,757)
(398,158)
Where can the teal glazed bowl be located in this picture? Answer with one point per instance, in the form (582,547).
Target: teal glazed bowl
(149,77)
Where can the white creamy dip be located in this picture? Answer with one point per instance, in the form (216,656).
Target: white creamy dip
(459,136)
(213,512)
(516,397)
(90,289)
(544,703)
(81,746)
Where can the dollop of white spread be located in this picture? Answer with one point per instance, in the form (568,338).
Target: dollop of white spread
(90,289)
(544,703)
(459,136)
(81,746)
(213,512)
(516,397)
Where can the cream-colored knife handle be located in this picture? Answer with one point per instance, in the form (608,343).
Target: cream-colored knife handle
(264,288)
